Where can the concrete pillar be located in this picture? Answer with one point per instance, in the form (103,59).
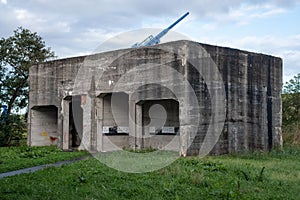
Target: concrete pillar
(184,116)
(86,103)
(29,127)
(183,140)
(66,127)
(93,141)
(99,119)
(60,122)
(131,124)
(139,126)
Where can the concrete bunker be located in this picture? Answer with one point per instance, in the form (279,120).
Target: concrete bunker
(252,99)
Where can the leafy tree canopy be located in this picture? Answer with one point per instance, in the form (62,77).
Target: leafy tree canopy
(292,86)
(291,102)
(17,54)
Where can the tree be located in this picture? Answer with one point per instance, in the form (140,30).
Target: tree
(17,54)
(292,86)
(291,101)
(291,111)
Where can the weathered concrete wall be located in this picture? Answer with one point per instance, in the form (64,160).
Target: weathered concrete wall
(252,95)
(253,100)
(45,119)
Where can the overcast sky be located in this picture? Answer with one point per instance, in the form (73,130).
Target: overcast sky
(77,27)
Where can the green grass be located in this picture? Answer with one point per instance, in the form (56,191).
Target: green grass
(246,176)
(13,158)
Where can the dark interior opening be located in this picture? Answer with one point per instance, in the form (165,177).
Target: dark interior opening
(76,122)
(171,126)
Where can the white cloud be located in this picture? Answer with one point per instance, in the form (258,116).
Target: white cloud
(271,12)
(93,37)
(4,1)
(23,15)
(209,27)
(268,43)
(41,24)
(244,14)
(261,11)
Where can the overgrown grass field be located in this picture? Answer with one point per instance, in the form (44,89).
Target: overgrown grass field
(13,158)
(275,175)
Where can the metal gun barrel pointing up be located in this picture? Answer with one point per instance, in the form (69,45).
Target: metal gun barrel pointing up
(181,18)
(165,31)
(149,41)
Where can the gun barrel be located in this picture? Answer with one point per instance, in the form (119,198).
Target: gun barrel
(156,40)
(149,41)
(181,18)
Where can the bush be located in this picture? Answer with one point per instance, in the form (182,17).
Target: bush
(12,129)
(291,134)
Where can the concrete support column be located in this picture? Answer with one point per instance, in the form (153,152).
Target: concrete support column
(99,119)
(86,103)
(60,128)
(183,140)
(66,124)
(93,141)
(139,126)
(131,124)
(184,116)
(29,127)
